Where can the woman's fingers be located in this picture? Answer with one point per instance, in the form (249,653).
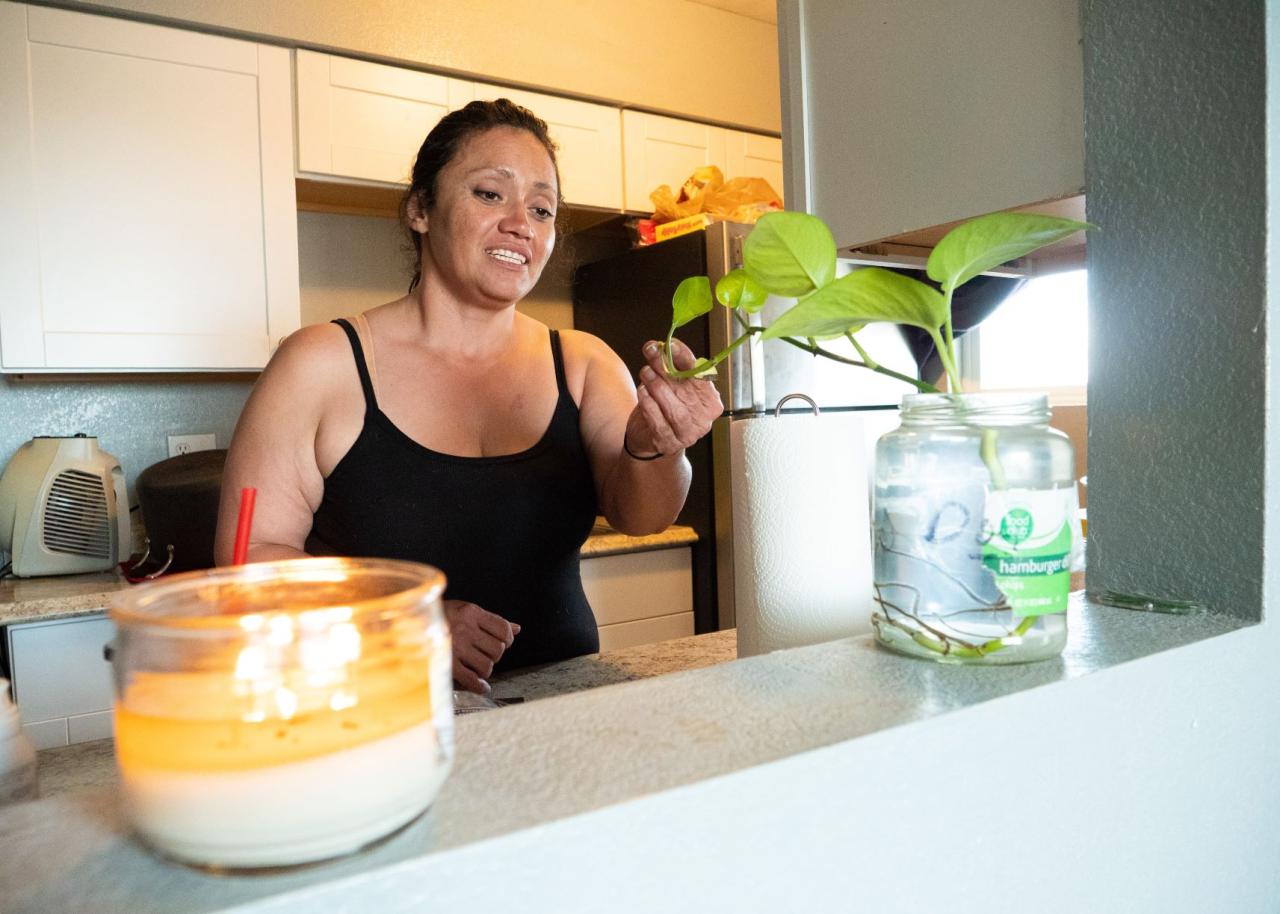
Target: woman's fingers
(681,355)
(498,627)
(666,392)
(466,679)
(475,660)
(480,638)
(663,438)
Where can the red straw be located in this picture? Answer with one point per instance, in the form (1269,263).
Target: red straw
(243,525)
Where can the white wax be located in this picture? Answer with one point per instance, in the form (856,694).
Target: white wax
(292,813)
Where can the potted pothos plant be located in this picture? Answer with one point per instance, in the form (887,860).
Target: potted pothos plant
(973,507)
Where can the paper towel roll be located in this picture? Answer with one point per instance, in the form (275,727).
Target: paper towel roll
(801,530)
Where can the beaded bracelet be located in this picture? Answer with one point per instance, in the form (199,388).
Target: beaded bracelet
(634,456)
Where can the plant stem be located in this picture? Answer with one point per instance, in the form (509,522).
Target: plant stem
(871,363)
(950,362)
(720,357)
(815,349)
(992,459)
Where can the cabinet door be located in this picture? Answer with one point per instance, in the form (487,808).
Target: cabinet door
(640,597)
(751,155)
(664,150)
(147,216)
(590,141)
(61,682)
(945,112)
(366,120)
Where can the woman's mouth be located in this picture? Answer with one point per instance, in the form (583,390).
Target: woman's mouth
(508,256)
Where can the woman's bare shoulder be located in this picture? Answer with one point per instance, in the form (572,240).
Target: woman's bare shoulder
(309,365)
(587,347)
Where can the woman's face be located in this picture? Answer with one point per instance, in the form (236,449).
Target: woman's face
(492,227)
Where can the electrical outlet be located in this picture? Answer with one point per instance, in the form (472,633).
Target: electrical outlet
(186,444)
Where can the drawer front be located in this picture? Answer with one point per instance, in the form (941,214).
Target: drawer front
(645,631)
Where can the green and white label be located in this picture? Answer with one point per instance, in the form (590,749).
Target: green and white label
(1029,544)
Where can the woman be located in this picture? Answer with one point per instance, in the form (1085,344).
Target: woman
(445,427)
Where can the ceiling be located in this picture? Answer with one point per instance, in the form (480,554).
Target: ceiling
(764,10)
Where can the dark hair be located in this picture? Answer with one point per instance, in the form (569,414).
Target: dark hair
(443,143)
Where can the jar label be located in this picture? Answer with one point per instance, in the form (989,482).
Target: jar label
(1028,543)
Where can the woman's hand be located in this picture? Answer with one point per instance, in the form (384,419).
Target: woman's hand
(672,413)
(479,639)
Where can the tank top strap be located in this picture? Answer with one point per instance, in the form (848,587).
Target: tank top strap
(366,382)
(561,384)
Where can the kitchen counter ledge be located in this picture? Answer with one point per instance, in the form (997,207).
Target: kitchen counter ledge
(67,596)
(573,774)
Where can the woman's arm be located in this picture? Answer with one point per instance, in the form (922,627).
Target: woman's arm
(274,448)
(664,417)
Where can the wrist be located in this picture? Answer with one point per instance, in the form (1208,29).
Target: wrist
(640,455)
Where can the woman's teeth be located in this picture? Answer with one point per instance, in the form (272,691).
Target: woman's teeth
(507,256)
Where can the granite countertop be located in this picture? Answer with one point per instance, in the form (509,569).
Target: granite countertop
(38,599)
(83,766)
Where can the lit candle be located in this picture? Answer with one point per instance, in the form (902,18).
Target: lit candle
(291,734)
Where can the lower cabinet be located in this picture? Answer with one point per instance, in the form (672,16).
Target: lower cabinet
(61,682)
(640,597)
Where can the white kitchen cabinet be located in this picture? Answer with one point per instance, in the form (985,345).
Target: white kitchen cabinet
(365,120)
(947,111)
(753,155)
(61,682)
(665,150)
(147,216)
(589,138)
(640,597)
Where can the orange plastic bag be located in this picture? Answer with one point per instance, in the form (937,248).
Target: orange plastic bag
(706,191)
(742,200)
(668,207)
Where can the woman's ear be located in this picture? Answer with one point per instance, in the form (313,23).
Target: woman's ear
(416,215)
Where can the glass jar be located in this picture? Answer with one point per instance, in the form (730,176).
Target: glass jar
(282,712)
(974,529)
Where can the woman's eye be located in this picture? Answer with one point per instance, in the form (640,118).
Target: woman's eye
(543,213)
(489,195)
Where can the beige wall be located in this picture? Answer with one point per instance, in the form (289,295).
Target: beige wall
(669,56)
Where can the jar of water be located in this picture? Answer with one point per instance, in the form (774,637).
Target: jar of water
(975,532)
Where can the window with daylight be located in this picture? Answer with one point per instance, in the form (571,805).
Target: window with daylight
(1037,339)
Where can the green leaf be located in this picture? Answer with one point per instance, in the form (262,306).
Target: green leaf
(692,300)
(988,241)
(736,289)
(862,297)
(790,253)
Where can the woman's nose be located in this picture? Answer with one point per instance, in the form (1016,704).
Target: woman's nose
(516,221)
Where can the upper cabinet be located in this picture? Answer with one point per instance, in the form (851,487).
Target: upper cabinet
(366,121)
(146,182)
(666,150)
(751,155)
(942,114)
(589,141)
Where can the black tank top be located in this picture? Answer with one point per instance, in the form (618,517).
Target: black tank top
(505,530)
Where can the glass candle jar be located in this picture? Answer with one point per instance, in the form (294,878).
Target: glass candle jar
(974,529)
(283,712)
